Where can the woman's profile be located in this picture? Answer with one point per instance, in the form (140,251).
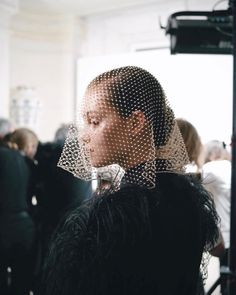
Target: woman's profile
(146,232)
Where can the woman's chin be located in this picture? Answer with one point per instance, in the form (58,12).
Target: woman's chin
(97,164)
(100,163)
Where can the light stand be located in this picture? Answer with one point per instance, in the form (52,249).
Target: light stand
(232,253)
(221,35)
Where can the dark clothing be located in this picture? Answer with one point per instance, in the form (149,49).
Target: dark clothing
(17,229)
(14,177)
(224,262)
(16,225)
(59,190)
(135,241)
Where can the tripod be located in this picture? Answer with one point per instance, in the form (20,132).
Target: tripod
(228,274)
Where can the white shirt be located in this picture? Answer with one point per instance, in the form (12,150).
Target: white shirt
(217,180)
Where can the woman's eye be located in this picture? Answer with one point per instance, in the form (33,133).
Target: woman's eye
(94,122)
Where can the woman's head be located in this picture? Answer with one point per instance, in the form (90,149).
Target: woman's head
(26,141)
(130,107)
(124,119)
(216,150)
(130,89)
(192,141)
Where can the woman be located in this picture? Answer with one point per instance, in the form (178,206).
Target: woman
(217,180)
(196,155)
(22,213)
(17,228)
(26,141)
(145,234)
(193,145)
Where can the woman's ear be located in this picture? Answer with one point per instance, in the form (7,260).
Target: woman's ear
(137,122)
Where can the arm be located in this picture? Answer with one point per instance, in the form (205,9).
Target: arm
(219,249)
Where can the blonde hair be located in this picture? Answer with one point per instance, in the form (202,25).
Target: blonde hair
(216,150)
(192,141)
(23,137)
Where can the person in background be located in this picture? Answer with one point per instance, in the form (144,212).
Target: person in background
(217,180)
(57,190)
(26,141)
(193,145)
(61,133)
(196,155)
(17,227)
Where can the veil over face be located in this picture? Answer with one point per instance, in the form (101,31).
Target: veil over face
(125,124)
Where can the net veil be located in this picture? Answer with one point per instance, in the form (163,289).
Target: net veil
(125,127)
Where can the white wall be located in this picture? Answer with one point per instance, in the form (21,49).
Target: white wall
(124,30)
(7,9)
(199,87)
(43,50)
(4,71)
(42,56)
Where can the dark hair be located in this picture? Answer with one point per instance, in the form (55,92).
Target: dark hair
(133,88)
(61,132)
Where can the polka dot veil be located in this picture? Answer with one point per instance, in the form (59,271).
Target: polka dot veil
(125,130)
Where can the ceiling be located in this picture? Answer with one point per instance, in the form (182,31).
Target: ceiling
(80,7)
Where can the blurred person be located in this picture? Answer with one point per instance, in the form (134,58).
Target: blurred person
(196,155)
(216,150)
(26,141)
(61,133)
(17,228)
(57,190)
(193,145)
(146,233)
(217,180)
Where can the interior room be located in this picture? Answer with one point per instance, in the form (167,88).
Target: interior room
(50,51)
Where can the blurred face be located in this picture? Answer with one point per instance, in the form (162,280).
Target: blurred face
(105,132)
(31,149)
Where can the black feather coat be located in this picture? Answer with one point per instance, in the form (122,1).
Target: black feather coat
(135,241)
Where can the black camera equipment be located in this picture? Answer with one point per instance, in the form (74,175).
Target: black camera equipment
(212,32)
(201,32)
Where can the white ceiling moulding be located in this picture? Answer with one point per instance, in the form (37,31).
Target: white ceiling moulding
(7,9)
(91,7)
(82,7)
(55,28)
(149,46)
(10,6)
